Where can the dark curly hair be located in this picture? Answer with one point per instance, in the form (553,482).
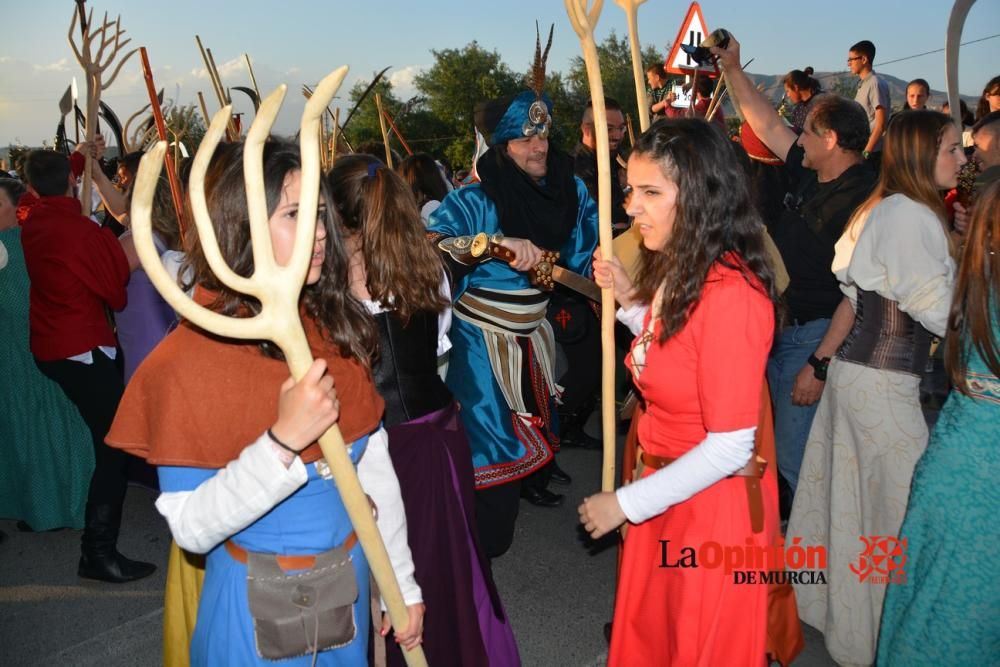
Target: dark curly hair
(715,219)
(341,318)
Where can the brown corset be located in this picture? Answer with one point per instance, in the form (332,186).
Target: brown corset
(885,337)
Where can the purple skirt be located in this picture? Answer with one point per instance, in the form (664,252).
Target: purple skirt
(465,623)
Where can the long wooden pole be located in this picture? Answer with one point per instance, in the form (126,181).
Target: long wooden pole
(253,79)
(395,130)
(204,108)
(385,133)
(631,8)
(333,137)
(583,22)
(220,93)
(161,129)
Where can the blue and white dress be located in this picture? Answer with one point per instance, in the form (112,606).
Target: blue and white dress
(311,520)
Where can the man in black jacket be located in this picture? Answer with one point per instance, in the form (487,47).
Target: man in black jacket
(829,179)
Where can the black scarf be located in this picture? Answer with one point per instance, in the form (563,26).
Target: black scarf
(544,213)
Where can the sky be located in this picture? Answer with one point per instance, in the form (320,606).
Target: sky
(297,42)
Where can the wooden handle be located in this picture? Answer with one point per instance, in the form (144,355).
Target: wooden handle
(584,22)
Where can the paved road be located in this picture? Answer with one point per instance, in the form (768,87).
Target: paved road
(557,591)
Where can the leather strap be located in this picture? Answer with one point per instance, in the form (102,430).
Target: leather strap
(754,468)
(239,554)
(751,473)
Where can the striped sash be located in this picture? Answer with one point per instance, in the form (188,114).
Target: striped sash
(504,316)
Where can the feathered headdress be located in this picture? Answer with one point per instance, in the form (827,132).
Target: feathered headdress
(537,79)
(525,114)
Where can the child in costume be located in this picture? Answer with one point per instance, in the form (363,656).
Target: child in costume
(234,441)
(401,280)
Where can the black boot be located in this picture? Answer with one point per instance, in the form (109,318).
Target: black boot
(99,557)
(557,474)
(571,433)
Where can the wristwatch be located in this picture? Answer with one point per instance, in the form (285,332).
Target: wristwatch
(820,366)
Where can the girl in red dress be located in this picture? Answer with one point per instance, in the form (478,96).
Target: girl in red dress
(703,311)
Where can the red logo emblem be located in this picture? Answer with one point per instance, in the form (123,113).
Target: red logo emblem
(882,560)
(563,317)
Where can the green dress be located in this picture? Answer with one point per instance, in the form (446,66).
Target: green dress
(948,610)
(46,454)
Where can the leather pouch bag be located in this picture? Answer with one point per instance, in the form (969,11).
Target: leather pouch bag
(301,612)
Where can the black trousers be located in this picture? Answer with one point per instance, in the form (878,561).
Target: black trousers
(578,332)
(96,389)
(496,513)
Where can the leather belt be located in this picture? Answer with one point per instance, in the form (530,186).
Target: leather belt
(239,554)
(751,473)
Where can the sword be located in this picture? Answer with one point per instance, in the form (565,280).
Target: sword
(545,273)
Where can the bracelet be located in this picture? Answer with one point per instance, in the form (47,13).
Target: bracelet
(820,366)
(279,443)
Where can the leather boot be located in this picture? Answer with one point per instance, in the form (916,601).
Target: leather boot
(571,433)
(99,557)
(557,474)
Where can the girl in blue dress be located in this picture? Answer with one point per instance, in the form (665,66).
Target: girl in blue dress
(234,437)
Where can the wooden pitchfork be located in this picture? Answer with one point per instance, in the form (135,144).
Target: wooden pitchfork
(631,9)
(583,22)
(276,287)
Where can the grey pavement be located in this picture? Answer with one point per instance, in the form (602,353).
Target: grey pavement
(557,587)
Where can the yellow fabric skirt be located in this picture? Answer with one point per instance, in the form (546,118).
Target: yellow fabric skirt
(185,575)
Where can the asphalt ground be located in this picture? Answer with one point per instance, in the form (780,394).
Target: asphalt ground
(557,587)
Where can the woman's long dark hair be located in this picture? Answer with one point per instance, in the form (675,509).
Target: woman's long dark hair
(421,172)
(402,269)
(977,293)
(715,216)
(342,320)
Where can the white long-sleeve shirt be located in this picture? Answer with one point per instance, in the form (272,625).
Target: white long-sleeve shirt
(713,459)
(249,486)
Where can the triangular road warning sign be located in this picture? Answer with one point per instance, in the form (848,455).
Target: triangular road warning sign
(693,31)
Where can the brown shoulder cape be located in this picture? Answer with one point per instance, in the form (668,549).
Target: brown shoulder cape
(199,400)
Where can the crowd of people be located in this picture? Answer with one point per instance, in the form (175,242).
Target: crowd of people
(793,285)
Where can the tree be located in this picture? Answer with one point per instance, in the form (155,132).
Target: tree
(615,58)
(455,83)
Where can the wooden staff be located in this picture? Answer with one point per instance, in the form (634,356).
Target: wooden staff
(395,130)
(211,72)
(583,22)
(161,129)
(220,93)
(714,103)
(333,137)
(253,79)
(718,99)
(385,133)
(277,288)
(631,130)
(204,109)
(631,8)
(108,35)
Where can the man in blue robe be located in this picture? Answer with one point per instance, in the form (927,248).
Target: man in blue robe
(501,368)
